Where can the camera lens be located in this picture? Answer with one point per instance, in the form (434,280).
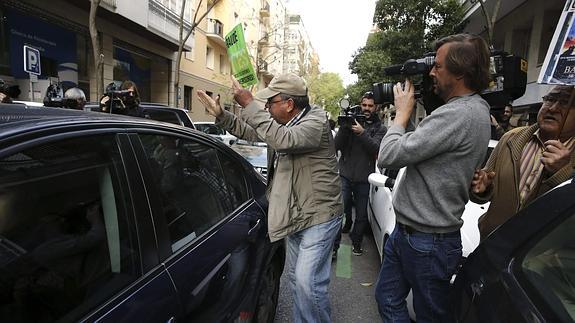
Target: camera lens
(383,93)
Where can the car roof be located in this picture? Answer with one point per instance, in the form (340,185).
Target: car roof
(16,118)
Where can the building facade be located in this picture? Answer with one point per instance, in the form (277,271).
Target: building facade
(139,41)
(523,28)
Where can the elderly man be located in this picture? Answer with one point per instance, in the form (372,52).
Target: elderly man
(528,161)
(305,204)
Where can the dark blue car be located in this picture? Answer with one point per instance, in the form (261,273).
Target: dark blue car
(112,218)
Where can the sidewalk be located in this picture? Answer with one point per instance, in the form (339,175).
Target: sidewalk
(351,288)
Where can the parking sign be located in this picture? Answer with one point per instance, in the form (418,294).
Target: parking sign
(32,60)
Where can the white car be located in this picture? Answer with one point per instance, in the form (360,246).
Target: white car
(381,215)
(212,129)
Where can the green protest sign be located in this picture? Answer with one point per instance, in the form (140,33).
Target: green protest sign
(242,67)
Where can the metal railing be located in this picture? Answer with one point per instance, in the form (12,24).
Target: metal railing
(215,27)
(166,21)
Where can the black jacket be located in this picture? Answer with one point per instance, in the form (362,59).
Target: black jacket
(359,153)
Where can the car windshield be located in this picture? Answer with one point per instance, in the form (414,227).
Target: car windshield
(210,129)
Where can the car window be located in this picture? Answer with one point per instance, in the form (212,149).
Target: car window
(193,191)
(235,178)
(162,115)
(66,244)
(549,266)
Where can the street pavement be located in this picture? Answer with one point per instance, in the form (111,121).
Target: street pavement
(351,288)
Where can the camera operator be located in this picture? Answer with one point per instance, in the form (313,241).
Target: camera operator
(74,98)
(125,101)
(440,157)
(359,145)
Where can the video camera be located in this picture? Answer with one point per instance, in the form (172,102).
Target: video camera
(115,104)
(508,74)
(349,115)
(54,96)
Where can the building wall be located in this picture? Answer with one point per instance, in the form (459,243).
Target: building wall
(523,28)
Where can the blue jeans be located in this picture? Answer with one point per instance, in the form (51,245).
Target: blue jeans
(354,193)
(309,265)
(422,262)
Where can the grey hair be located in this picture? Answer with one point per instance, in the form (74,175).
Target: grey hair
(75,93)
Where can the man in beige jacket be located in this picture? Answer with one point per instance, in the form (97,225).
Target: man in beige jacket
(305,204)
(528,161)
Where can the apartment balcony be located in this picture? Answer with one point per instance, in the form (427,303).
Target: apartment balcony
(167,22)
(215,31)
(265,10)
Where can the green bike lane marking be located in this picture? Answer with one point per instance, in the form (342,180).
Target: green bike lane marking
(343,262)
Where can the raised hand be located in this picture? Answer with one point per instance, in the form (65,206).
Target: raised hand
(555,156)
(242,96)
(213,106)
(404,101)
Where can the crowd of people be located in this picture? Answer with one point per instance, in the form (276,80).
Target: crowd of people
(314,179)
(317,176)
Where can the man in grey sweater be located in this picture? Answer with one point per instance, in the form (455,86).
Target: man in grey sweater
(440,157)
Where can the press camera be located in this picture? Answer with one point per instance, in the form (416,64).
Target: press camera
(349,115)
(117,97)
(508,80)
(54,96)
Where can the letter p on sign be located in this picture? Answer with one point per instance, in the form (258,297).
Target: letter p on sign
(32,60)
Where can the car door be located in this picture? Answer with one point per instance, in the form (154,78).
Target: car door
(213,231)
(70,232)
(525,270)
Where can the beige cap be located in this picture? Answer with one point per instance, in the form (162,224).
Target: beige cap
(288,83)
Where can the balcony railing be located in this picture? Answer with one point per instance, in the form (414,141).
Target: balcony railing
(215,31)
(166,21)
(215,27)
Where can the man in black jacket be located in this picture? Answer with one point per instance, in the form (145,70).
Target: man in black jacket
(359,146)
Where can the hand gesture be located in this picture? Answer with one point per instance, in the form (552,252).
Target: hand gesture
(213,106)
(493,121)
(242,96)
(481,180)
(404,101)
(555,156)
(357,128)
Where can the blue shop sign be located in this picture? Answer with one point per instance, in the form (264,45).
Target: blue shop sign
(53,42)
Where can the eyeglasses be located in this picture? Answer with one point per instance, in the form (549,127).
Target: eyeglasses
(269,104)
(551,100)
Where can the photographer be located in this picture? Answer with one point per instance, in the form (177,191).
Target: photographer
(125,101)
(359,145)
(440,157)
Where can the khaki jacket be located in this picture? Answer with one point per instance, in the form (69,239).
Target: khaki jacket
(505,161)
(304,187)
